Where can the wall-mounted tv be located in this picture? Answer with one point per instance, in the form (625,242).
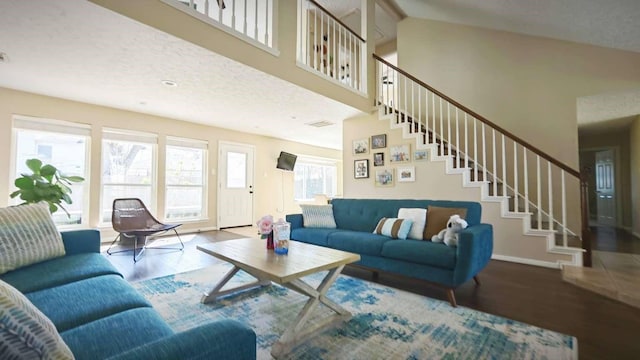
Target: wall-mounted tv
(286,161)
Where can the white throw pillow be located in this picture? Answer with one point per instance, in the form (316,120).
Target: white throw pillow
(25,332)
(419,217)
(318,216)
(27,236)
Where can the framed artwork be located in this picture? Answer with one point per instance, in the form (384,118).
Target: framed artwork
(400,153)
(361,169)
(360,146)
(406,173)
(378,159)
(420,155)
(379,141)
(384,177)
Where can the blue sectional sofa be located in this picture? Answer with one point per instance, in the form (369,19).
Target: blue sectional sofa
(437,263)
(100,316)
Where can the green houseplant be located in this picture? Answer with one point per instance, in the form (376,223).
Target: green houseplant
(46,183)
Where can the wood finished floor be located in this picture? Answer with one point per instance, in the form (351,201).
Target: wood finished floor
(605,328)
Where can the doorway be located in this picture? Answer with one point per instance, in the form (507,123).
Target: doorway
(603,185)
(235,184)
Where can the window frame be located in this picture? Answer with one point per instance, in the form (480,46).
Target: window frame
(54,126)
(318,161)
(172,141)
(129,136)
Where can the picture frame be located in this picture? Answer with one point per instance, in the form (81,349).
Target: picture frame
(361,146)
(406,173)
(400,153)
(379,141)
(378,159)
(361,169)
(384,178)
(420,155)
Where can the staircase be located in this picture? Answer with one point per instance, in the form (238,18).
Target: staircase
(528,184)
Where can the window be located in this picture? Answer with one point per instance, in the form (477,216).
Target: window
(314,176)
(62,144)
(185,179)
(128,168)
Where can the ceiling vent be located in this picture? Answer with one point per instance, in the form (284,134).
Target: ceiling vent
(319,124)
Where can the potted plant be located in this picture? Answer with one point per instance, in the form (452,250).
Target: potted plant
(46,183)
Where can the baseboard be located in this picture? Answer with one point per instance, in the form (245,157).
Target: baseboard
(525,261)
(109,234)
(635,235)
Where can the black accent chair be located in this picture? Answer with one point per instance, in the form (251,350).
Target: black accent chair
(131,219)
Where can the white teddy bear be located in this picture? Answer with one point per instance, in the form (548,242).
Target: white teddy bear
(450,234)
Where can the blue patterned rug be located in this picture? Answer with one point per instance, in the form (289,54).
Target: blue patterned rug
(387,323)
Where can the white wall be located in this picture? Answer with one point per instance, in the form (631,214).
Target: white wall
(528,85)
(273,187)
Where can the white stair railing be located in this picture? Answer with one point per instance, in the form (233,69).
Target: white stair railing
(329,48)
(507,164)
(250,20)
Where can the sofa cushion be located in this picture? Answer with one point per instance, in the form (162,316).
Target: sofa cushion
(318,216)
(437,218)
(393,227)
(116,334)
(421,252)
(419,218)
(27,236)
(314,236)
(25,332)
(59,271)
(358,242)
(91,299)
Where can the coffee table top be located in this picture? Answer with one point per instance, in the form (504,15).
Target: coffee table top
(303,259)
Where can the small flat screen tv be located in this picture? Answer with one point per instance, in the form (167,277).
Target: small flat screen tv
(286,161)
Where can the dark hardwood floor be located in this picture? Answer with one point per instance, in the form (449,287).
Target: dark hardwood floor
(607,238)
(605,328)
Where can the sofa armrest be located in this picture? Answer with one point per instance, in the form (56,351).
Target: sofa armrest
(224,339)
(295,220)
(81,241)
(475,246)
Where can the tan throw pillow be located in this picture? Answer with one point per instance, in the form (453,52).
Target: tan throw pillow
(27,236)
(437,218)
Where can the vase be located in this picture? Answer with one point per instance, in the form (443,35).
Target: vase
(270,241)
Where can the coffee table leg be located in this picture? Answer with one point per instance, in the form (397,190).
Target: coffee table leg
(216,292)
(295,334)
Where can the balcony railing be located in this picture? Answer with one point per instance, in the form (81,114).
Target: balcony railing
(251,20)
(329,48)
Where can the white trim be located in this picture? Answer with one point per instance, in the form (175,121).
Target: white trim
(251,41)
(329,78)
(187,142)
(129,136)
(519,260)
(50,125)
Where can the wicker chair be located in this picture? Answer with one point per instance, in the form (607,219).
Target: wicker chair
(131,219)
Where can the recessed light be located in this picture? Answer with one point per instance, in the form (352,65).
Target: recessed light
(169,83)
(142,103)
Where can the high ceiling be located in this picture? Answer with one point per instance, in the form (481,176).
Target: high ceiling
(76,50)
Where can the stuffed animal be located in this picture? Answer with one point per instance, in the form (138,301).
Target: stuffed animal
(450,234)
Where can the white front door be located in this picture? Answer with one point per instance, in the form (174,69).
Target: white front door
(235,185)
(605,187)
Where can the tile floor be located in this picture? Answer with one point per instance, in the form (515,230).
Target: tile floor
(615,275)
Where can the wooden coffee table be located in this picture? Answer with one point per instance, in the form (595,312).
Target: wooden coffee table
(303,259)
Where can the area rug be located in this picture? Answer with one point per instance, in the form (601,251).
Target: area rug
(387,323)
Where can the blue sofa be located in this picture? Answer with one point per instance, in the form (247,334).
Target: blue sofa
(437,263)
(100,316)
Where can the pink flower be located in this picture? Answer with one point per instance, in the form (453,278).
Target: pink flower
(265,224)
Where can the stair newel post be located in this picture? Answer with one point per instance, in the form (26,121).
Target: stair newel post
(584,212)
(495,165)
(539,192)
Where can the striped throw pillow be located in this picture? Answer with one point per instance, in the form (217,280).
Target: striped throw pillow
(318,216)
(27,236)
(25,332)
(394,228)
